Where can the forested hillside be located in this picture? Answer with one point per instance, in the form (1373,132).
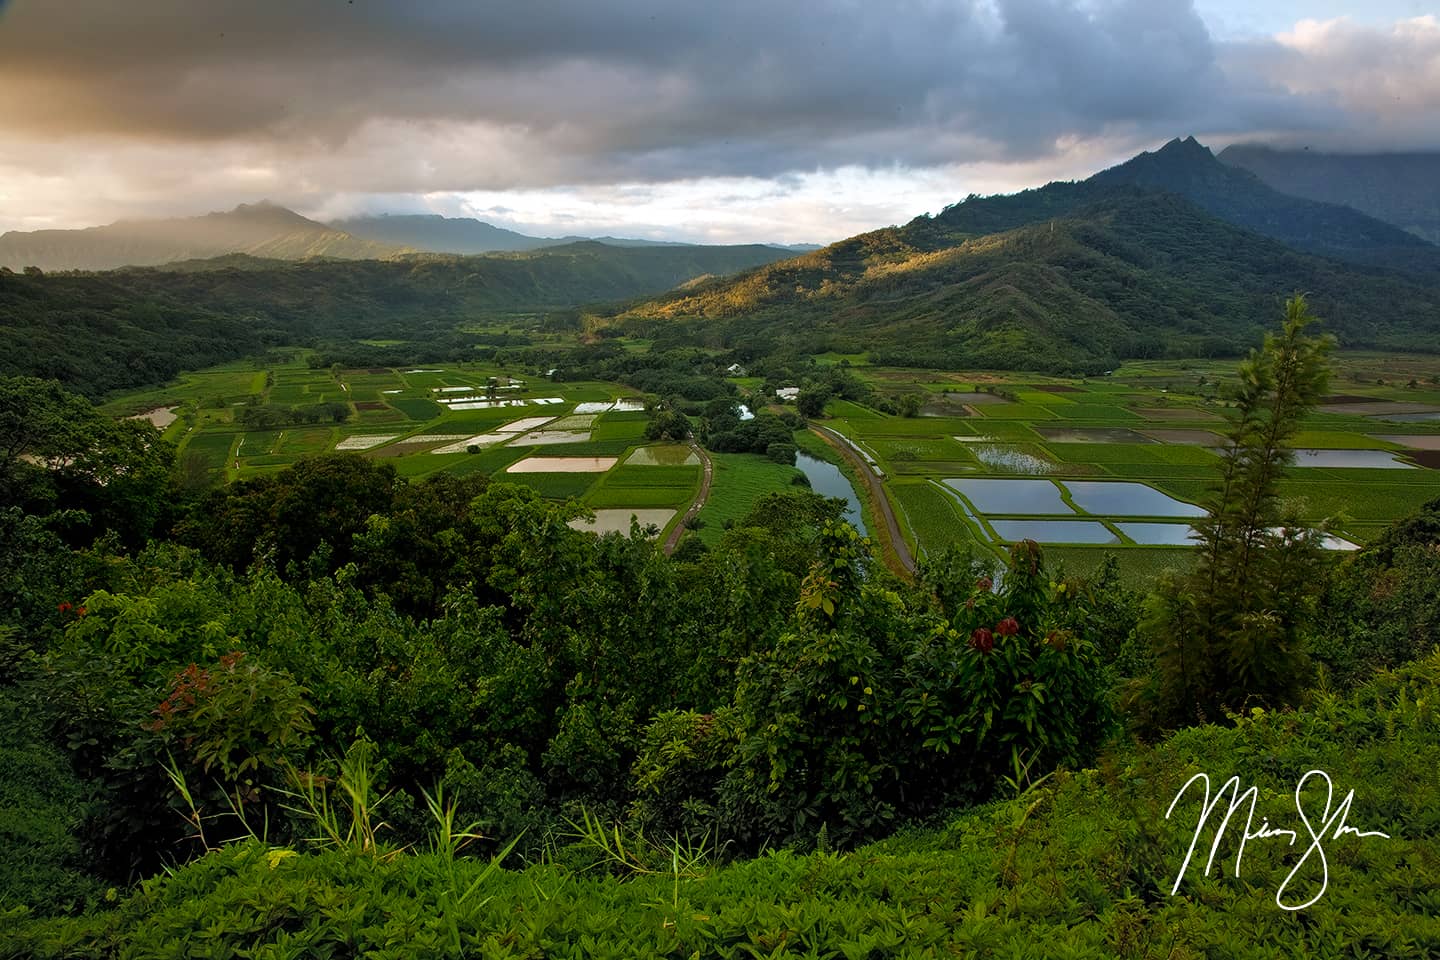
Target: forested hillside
(1071,277)
(106,331)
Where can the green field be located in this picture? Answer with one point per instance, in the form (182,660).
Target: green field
(740,479)
(1123,427)
(1097,429)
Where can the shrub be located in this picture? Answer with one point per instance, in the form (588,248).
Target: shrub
(782,452)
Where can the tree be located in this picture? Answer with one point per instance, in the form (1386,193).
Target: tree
(811,402)
(58,452)
(1229,632)
(668,424)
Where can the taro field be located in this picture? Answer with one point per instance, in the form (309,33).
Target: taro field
(581,440)
(1120,464)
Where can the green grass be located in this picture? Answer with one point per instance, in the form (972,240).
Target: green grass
(656,476)
(427,463)
(608,495)
(590,448)
(739,480)
(610,427)
(213,447)
(1342,440)
(1359,501)
(259,443)
(417,408)
(902,427)
(932,516)
(846,409)
(472,421)
(999,429)
(917,448)
(555,486)
(1138,565)
(492,461)
(304,442)
(1016,411)
(1104,453)
(1094,411)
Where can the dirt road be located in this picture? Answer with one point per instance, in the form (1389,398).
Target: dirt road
(893,547)
(706,476)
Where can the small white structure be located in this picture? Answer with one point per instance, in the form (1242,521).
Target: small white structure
(745,413)
(787,393)
(735,370)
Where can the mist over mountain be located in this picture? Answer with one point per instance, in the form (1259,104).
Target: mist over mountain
(258,230)
(1402,189)
(439,234)
(434,233)
(271,232)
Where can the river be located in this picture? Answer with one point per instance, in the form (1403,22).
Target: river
(827,480)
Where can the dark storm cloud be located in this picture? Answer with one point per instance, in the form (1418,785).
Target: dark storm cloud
(561,91)
(183,102)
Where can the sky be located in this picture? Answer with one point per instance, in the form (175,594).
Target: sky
(741,121)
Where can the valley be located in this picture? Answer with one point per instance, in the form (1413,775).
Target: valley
(1112,464)
(649,599)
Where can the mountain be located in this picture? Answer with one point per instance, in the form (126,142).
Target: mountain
(436,234)
(1238,196)
(1403,189)
(258,230)
(1067,277)
(106,331)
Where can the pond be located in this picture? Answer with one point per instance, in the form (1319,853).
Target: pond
(971,396)
(1054,531)
(663,456)
(1191,438)
(1374,459)
(542,438)
(160,417)
(562,465)
(1002,495)
(1123,498)
(1414,442)
(1410,417)
(1159,534)
(520,426)
(1091,435)
(1010,459)
(827,480)
(617,520)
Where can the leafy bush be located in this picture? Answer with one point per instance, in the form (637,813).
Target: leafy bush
(1081,865)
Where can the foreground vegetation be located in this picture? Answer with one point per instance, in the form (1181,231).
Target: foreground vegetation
(1079,866)
(330,711)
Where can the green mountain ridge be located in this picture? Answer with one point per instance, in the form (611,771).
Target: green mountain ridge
(1068,277)
(103,331)
(433,233)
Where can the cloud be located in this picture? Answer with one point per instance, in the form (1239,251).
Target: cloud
(169,102)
